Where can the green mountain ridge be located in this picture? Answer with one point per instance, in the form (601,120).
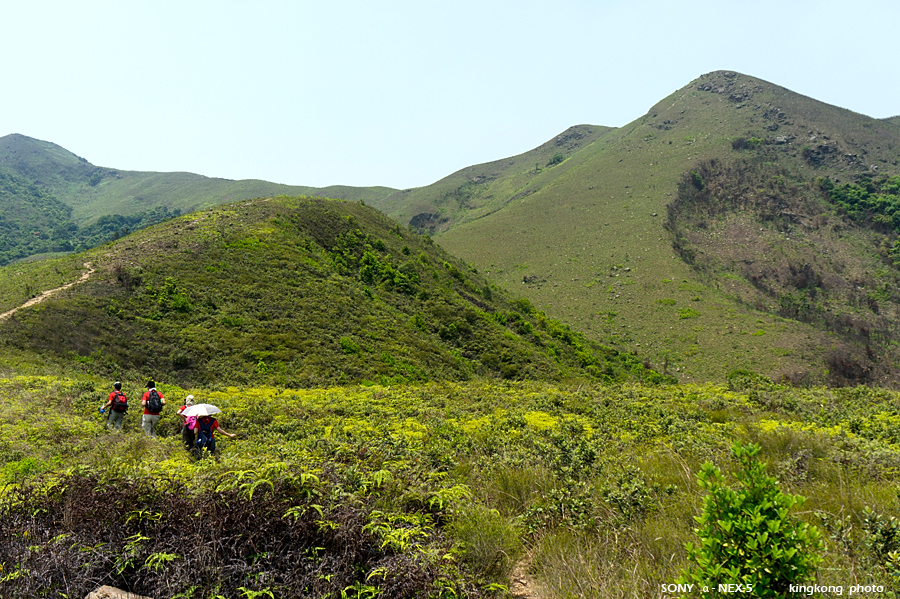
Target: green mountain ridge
(105,203)
(293,292)
(478,191)
(479,446)
(600,227)
(592,244)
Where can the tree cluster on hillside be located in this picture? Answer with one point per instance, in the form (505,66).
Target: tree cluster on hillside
(33,221)
(875,202)
(30,220)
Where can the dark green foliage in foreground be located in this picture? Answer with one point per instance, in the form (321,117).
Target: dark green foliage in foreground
(292,535)
(302,292)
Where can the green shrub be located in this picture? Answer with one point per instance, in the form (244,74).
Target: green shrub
(697,180)
(882,537)
(741,379)
(746,534)
(741,143)
(349,346)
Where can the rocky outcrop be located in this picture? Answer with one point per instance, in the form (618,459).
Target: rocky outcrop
(106,592)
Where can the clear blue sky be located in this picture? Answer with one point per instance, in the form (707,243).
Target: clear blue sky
(402,93)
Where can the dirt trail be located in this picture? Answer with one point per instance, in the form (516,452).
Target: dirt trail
(523,586)
(48,294)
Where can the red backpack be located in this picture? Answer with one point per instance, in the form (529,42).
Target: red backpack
(120,402)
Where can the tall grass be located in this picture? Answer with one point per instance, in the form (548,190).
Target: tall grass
(490,542)
(614,563)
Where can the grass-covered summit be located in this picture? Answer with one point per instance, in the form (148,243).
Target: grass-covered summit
(292,292)
(737,224)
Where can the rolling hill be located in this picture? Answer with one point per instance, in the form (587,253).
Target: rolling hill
(479,191)
(293,292)
(735,225)
(702,235)
(54,201)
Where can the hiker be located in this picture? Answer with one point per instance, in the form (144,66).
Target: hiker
(206,429)
(187,423)
(117,404)
(153,402)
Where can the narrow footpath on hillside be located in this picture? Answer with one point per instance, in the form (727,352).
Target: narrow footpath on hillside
(523,586)
(47,294)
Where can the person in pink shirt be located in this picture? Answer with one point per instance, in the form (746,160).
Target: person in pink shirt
(187,423)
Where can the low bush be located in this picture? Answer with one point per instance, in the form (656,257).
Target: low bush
(747,536)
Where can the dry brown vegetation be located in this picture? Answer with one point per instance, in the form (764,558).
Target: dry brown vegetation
(774,243)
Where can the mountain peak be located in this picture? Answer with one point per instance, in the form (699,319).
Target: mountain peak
(16,143)
(41,162)
(577,228)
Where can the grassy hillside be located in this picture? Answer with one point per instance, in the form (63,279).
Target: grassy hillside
(480,190)
(35,223)
(293,292)
(96,204)
(428,490)
(591,245)
(812,252)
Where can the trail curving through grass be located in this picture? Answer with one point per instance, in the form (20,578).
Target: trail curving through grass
(47,294)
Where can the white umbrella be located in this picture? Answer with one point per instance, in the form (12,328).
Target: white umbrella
(200,409)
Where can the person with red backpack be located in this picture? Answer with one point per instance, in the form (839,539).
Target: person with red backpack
(153,402)
(206,429)
(117,406)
